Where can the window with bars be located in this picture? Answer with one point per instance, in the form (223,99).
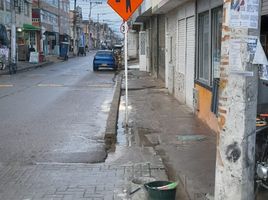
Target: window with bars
(142,43)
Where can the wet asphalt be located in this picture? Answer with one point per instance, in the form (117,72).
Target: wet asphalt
(55,114)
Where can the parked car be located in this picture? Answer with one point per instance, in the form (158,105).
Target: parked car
(104,59)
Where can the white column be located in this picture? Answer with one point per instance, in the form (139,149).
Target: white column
(237,111)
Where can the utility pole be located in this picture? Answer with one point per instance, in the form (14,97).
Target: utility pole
(74,31)
(5,14)
(98,31)
(13,31)
(90,8)
(237,104)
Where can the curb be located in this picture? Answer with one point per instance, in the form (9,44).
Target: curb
(29,67)
(111,125)
(36,66)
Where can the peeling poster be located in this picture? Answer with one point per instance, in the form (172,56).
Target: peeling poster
(234,54)
(244,14)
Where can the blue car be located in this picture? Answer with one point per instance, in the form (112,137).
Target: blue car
(104,59)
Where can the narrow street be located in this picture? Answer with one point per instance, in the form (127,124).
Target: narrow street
(55,114)
(133,100)
(52,125)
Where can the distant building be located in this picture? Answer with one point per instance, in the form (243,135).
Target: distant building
(26,32)
(52,17)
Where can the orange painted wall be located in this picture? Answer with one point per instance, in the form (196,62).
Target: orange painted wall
(204,112)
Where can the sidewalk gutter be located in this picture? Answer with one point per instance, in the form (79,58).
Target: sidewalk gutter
(111,125)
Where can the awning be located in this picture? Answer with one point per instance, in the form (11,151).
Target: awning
(50,33)
(29,27)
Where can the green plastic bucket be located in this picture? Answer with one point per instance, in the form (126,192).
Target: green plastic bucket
(155,194)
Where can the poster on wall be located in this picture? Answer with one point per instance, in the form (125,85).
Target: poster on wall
(244,14)
(235,53)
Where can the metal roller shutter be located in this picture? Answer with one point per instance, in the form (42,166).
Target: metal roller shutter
(181,45)
(161,47)
(181,62)
(190,59)
(264,9)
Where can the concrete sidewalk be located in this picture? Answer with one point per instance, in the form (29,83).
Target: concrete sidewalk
(184,143)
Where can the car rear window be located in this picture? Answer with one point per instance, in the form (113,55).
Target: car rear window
(104,54)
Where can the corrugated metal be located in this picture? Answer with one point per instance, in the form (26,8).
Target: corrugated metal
(181,45)
(161,46)
(190,59)
(264,9)
(181,61)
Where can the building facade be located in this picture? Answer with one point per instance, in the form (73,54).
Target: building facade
(25,32)
(53,19)
(180,43)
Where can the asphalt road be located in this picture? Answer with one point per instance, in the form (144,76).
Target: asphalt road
(55,114)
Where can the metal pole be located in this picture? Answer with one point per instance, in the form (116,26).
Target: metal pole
(13,32)
(5,14)
(98,32)
(74,30)
(90,8)
(126,75)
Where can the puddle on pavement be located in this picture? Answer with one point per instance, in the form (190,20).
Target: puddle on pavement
(124,134)
(105,107)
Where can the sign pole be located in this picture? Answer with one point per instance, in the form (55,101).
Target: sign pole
(125,10)
(126,75)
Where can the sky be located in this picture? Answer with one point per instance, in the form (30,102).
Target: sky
(106,13)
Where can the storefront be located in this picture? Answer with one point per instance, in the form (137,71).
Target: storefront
(208,53)
(51,43)
(27,37)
